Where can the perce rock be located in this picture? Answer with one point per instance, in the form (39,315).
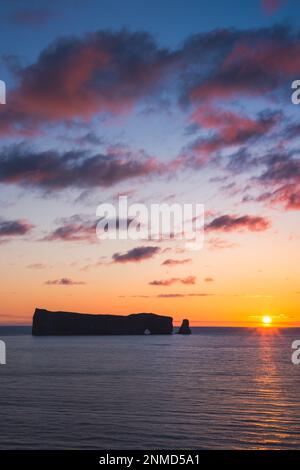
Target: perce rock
(67,323)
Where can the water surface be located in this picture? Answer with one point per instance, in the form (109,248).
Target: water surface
(219,388)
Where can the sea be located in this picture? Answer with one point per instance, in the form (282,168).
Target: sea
(220,388)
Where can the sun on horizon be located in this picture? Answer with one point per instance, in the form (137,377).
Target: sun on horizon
(266,320)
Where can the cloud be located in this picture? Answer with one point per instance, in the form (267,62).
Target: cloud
(282,176)
(175,296)
(14,228)
(278,183)
(109,72)
(287,196)
(230,223)
(231,129)
(217,243)
(51,170)
(80,227)
(38,266)
(172,296)
(208,279)
(64,282)
(102,72)
(168,282)
(136,255)
(31,17)
(271,6)
(175,262)
(119,70)
(90,138)
(241,161)
(76,228)
(100,262)
(236,63)
(281,168)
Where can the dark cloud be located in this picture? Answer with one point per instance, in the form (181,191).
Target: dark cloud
(287,196)
(136,254)
(242,63)
(14,228)
(227,130)
(189,280)
(64,282)
(110,72)
(103,72)
(51,170)
(172,296)
(80,227)
(175,262)
(292,131)
(90,138)
(231,129)
(281,168)
(76,228)
(230,223)
(280,180)
(241,161)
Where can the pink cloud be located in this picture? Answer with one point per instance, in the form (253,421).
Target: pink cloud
(189,280)
(231,223)
(175,262)
(271,6)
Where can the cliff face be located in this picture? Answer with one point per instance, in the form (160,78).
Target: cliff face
(67,323)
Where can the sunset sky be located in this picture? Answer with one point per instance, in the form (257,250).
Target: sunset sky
(182,101)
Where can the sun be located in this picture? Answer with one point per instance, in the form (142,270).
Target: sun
(266,320)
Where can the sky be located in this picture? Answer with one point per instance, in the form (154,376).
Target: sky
(188,101)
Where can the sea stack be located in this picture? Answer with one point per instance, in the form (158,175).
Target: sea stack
(185,328)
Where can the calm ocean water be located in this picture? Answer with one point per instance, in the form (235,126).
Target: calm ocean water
(219,388)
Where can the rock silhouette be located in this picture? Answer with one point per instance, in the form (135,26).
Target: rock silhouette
(185,328)
(67,323)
